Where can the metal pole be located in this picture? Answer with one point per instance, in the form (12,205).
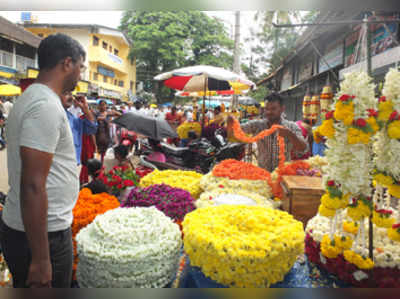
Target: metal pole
(334,23)
(369,55)
(236,61)
(326,62)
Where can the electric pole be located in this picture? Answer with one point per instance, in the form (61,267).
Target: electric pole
(236,54)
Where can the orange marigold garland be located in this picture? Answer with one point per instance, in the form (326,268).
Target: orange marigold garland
(242,136)
(86,209)
(236,170)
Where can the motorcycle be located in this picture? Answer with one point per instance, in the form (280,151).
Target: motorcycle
(199,155)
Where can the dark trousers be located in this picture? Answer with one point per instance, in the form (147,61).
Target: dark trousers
(17,254)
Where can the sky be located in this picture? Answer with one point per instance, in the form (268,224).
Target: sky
(112,19)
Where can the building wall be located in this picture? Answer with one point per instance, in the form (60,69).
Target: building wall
(119,65)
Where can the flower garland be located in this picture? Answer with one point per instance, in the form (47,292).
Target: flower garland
(128,247)
(394,232)
(186,180)
(239,134)
(349,129)
(236,170)
(173,202)
(184,129)
(85,211)
(387,145)
(243,246)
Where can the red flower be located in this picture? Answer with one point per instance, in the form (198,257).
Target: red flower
(221,186)
(396,226)
(361,122)
(329,115)
(382,99)
(383,211)
(120,186)
(331,183)
(128,183)
(394,116)
(372,113)
(345,98)
(210,198)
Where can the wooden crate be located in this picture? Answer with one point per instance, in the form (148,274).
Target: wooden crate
(302,196)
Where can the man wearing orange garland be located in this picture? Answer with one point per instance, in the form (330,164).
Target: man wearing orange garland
(268,147)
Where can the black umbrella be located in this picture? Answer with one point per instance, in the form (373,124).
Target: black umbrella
(145,125)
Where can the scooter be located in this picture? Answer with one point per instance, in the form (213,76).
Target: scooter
(200,154)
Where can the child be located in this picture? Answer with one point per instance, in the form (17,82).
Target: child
(94,168)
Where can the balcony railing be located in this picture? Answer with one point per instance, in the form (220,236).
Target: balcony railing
(6,58)
(22,63)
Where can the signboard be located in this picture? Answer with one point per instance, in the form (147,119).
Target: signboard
(82,87)
(333,56)
(32,73)
(105,72)
(286,79)
(381,40)
(115,58)
(26,16)
(109,93)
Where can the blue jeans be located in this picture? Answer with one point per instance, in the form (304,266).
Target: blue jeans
(17,254)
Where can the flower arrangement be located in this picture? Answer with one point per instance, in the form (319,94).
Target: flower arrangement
(350,227)
(119,178)
(329,248)
(236,170)
(361,262)
(383,218)
(394,232)
(85,211)
(242,246)
(173,202)
(128,247)
(184,129)
(209,198)
(186,180)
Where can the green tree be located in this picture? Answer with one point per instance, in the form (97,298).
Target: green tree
(165,40)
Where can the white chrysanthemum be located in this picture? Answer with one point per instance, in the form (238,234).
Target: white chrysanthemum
(387,154)
(391,89)
(360,85)
(128,247)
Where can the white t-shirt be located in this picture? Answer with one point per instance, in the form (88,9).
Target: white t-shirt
(7,107)
(39,121)
(76,111)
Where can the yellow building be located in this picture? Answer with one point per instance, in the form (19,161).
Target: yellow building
(110,72)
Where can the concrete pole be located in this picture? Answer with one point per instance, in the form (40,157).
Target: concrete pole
(236,54)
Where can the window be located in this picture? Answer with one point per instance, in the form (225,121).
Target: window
(95,40)
(116,52)
(110,48)
(131,86)
(105,45)
(115,82)
(121,83)
(95,76)
(105,79)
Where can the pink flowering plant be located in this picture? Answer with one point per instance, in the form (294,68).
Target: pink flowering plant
(173,202)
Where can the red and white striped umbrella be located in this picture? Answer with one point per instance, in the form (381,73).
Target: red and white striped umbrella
(204,78)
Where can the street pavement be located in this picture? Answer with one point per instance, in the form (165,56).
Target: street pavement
(3,171)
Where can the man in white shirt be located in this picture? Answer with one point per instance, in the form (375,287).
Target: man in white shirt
(7,107)
(35,229)
(75,110)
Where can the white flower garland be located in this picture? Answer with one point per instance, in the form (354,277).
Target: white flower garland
(128,247)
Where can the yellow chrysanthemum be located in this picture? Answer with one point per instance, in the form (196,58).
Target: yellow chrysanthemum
(329,248)
(355,136)
(356,259)
(381,220)
(394,190)
(343,242)
(394,129)
(317,135)
(393,234)
(385,109)
(384,180)
(372,122)
(344,112)
(327,129)
(350,227)
(333,203)
(326,212)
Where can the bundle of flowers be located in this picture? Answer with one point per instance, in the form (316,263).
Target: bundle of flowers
(5,275)
(236,170)
(119,178)
(243,246)
(212,183)
(184,129)
(317,162)
(173,202)
(86,209)
(233,196)
(349,129)
(142,171)
(387,146)
(128,247)
(353,266)
(186,180)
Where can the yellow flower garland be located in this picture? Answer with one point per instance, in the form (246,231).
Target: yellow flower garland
(329,248)
(384,180)
(326,129)
(394,129)
(358,212)
(350,227)
(394,234)
(187,180)
(380,220)
(385,110)
(243,246)
(343,242)
(394,190)
(334,203)
(355,136)
(324,211)
(344,112)
(358,260)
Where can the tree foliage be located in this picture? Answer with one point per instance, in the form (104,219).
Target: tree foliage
(165,40)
